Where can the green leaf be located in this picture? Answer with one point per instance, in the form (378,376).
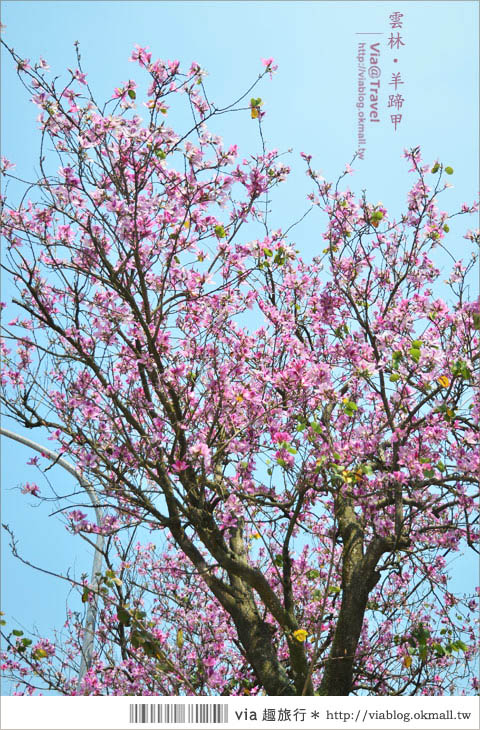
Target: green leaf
(132,94)
(446,228)
(220,231)
(312,574)
(394,377)
(449,170)
(438,648)
(17,632)
(26,642)
(150,648)
(429,473)
(460,369)
(349,407)
(124,616)
(421,634)
(39,654)
(278,560)
(334,589)
(137,639)
(435,168)
(396,357)
(414,353)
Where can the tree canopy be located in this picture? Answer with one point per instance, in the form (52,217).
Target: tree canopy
(285,451)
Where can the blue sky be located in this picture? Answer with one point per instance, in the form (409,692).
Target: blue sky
(310,105)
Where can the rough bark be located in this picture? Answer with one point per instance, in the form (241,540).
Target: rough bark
(358,578)
(256,638)
(337,679)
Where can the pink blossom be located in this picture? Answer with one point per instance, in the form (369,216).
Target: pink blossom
(179,465)
(79,76)
(200,448)
(31,489)
(142,55)
(269,66)
(6,165)
(280,436)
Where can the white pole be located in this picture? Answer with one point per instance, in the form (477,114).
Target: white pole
(90,620)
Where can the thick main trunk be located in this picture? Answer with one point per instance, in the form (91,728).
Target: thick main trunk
(338,676)
(256,639)
(359,577)
(254,634)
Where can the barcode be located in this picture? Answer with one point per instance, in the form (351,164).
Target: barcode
(176,713)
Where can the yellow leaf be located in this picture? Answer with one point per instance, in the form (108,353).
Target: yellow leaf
(443,381)
(239,398)
(256,536)
(180,640)
(300,635)
(407,660)
(39,654)
(254,112)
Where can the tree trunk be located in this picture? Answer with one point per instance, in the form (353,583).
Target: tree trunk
(359,577)
(338,676)
(256,638)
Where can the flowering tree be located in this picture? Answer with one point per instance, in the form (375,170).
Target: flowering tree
(285,452)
